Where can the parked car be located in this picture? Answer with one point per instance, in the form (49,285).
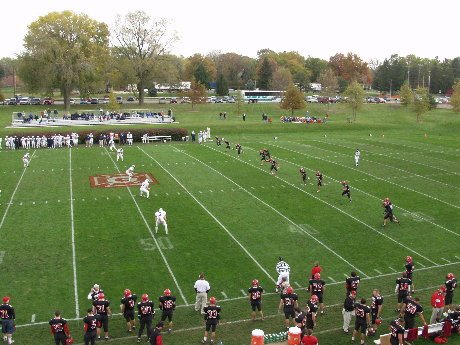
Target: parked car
(218,100)
(12,101)
(130,99)
(24,101)
(72,101)
(173,100)
(94,101)
(36,101)
(48,100)
(185,100)
(231,100)
(83,101)
(162,100)
(106,100)
(119,100)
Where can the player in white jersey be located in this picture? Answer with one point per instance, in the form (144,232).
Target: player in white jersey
(26,159)
(357,154)
(160,218)
(145,188)
(112,144)
(130,172)
(120,154)
(283,269)
(129,138)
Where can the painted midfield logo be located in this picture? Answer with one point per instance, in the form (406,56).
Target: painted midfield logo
(120,180)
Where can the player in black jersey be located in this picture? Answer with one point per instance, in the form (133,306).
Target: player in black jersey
(388,212)
(59,328)
(362,312)
(410,267)
(311,309)
(402,289)
(352,282)
(300,320)
(127,308)
(167,306)
(451,284)
(146,312)
(411,308)
(227,143)
(376,311)
(274,166)
(212,317)
(155,337)
(217,140)
(238,148)
(7,316)
(317,287)
(102,308)
(289,303)
(319,178)
(346,190)
(267,154)
(303,173)
(255,298)
(262,157)
(91,322)
(397,332)
(94,293)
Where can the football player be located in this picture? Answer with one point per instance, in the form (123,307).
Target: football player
(26,159)
(283,269)
(91,322)
(7,316)
(120,154)
(59,328)
(212,316)
(317,288)
(300,320)
(311,309)
(376,310)
(94,293)
(127,308)
(255,298)
(238,149)
(397,332)
(357,154)
(410,267)
(352,282)
(227,143)
(160,218)
(130,172)
(167,306)
(267,154)
(289,303)
(304,176)
(346,190)
(362,312)
(411,308)
(451,284)
(402,289)
(388,212)
(262,157)
(217,140)
(145,188)
(319,177)
(155,337)
(102,308)
(146,312)
(274,166)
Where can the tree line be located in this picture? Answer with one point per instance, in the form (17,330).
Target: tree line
(69,51)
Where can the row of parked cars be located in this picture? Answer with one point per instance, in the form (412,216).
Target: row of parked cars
(28,101)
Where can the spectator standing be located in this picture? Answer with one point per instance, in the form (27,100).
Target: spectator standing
(201,288)
(316,269)
(7,316)
(309,338)
(244,116)
(193,136)
(437,302)
(348,310)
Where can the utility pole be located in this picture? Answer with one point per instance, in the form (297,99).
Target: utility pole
(429,80)
(391,83)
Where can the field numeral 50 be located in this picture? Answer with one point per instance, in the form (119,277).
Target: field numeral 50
(163,243)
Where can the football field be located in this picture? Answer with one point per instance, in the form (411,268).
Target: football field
(69,221)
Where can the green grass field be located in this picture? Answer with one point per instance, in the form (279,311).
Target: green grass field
(228,217)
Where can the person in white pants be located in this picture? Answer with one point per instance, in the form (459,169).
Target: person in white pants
(145,188)
(348,310)
(160,218)
(26,159)
(283,270)
(120,154)
(201,288)
(357,154)
(130,172)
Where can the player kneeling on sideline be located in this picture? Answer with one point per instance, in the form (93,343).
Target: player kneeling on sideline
(289,303)
(255,298)
(59,329)
(362,312)
(160,218)
(145,188)
(212,317)
(167,306)
(127,308)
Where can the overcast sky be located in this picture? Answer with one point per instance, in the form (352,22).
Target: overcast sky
(371,29)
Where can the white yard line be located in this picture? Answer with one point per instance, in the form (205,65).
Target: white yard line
(152,235)
(368,194)
(72,222)
(278,212)
(212,216)
(14,193)
(334,207)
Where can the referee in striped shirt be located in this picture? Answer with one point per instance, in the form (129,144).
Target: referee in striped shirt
(283,270)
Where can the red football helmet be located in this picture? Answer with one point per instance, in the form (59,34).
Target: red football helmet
(408,258)
(314,299)
(127,292)
(384,203)
(6,299)
(167,292)
(378,321)
(290,289)
(450,275)
(387,199)
(255,282)
(69,340)
(145,297)
(317,276)
(101,296)
(212,300)
(344,182)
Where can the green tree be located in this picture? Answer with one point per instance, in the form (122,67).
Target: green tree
(143,42)
(329,84)
(264,74)
(293,99)
(63,50)
(222,87)
(421,102)
(113,103)
(202,76)
(406,94)
(355,96)
(197,93)
(316,67)
(455,98)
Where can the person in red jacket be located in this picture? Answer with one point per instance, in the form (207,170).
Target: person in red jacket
(316,269)
(437,302)
(155,337)
(309,339)
(59,328)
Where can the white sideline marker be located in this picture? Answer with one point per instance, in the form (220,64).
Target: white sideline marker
(376,270)
(224,294)
(445,260)
(243,292)
(298,285)
(331,279)
(391,268)
(32,320)
(458,257)
(419,263)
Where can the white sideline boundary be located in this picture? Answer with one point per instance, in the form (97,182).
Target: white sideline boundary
(14,192)
(269,293)
(380,178)
(386,165)
(212,216)
(151,234)
(329,204)
(373,196)
(74,259)
(279,213)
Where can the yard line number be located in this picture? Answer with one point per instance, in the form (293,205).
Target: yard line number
(149,244)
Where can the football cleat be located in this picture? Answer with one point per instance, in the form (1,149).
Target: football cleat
(127,292)
(167,292)
(145,297)
(255,282)
(290,289)
(212,300)
(317,276)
